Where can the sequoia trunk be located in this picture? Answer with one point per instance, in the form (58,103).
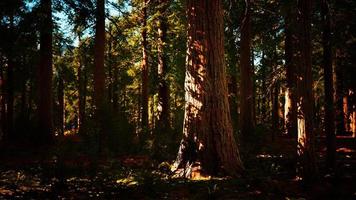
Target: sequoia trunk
(306,151)
(208,139)
(45,75)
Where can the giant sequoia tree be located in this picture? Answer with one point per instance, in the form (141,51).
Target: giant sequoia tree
(208,139)
(45,74)
(290,63)
(306,151)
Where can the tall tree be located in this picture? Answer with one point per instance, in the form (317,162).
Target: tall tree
(81,98)
(163,90)
(60,99)
(207,131)
(144,71)
(246,78)
(99,73)
(45,74)
(2,104)
(340,92)
(10,84)
(329,122)
(306,151)
(290,63)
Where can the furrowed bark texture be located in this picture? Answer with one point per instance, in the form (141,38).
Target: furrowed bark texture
(207,133)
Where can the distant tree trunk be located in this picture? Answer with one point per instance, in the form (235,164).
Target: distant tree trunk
(275,105)
(208,139)
(81,102)
(290,94)
(144,71)
(24,105)
(246,80)
(254,89)
(110,70)
(329,122)
(9,134)
(339,94)
(163,90)
(10,99)
(353,120)
(45,134)
(61,107)
(263,88)
(345,107)
(2,105)
(99,73)
(162,135)
(306,151)
(353,111)
(115,91)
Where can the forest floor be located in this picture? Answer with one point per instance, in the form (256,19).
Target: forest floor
(269,175)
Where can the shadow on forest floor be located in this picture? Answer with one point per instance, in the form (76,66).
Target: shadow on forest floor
(31,175)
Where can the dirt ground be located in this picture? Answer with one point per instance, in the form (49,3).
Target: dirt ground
(268,175)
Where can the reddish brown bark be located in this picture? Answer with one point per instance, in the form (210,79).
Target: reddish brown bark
(163,90)
(306,150)
(208,139)
(290,94)
(246,78)
(144,71)
(45,133)
(339,94)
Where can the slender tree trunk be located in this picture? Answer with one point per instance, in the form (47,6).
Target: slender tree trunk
(339,95)
(345,107)
(290,94)
(115,98)
(144,71)
(2,105)
(163,90)
(264,88)
(246,80)
(10,88)
(99,73)
(353,121)
(329,121)
(61,107)
(208,139)
(45,76)
(81,103)
(10,99)
(110,71)
(275,105)
(306,151)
